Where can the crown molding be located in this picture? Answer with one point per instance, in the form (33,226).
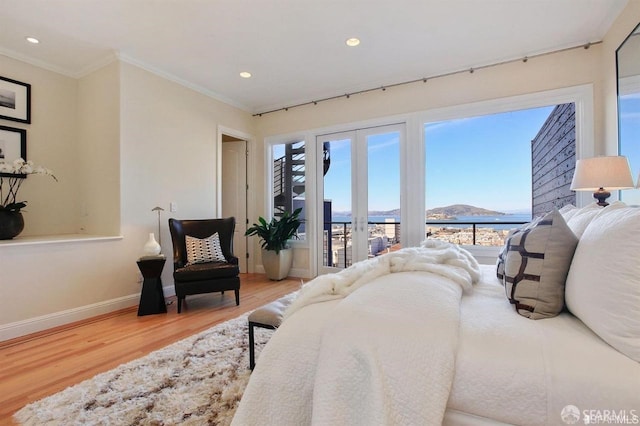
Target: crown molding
(96,65)
(36,62)
(107,59)
(113,56)
(182,82)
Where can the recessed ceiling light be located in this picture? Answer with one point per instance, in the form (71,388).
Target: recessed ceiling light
(32,40)
(245,74)
(352,42)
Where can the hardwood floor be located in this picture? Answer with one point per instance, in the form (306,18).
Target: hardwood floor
(41,364)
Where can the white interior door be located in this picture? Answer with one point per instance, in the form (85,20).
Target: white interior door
(234,194)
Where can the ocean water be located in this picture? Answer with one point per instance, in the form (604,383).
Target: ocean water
(494,220)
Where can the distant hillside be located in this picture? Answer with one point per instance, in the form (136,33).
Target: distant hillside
(394,212)
(462,210)
(448,211)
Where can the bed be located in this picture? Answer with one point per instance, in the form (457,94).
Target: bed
(427,336)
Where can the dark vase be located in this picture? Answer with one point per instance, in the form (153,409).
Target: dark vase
(11,224)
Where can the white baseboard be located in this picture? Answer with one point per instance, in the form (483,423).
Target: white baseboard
(294,272)
(44,322)
(169,290)
(56,319)
(299,273)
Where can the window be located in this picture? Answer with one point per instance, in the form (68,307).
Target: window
(485,174)
(289,180)
(629,131)
(423,153)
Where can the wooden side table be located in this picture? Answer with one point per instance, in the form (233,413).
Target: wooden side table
(152,296)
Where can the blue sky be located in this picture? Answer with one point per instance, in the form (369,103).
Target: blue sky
(483,161)
(630,129)
(337,181)
(383,173)
(630,141)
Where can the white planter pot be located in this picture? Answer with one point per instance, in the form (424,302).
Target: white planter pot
(277,266)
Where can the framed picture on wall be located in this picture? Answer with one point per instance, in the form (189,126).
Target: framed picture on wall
(13,144)
(15,100)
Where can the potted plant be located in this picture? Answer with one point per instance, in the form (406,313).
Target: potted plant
(277,257)
(12,175)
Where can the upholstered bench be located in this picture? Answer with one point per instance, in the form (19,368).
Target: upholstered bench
(268,316)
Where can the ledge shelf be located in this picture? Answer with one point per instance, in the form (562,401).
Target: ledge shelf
(57,239)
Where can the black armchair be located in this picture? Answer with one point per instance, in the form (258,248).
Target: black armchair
(205,277)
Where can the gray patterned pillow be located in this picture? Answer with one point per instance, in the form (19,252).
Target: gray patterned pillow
(536,264)
(204,250)
(502,255)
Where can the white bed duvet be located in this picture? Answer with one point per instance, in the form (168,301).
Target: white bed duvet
(410,348)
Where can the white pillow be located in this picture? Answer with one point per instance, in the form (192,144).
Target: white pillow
(568,211)
(603,284)
(204,250)
(579,221)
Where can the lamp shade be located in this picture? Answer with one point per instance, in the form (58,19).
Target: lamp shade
(609,173)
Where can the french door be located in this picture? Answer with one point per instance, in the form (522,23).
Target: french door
(359,195)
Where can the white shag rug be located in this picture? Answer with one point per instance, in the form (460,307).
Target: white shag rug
(196,381)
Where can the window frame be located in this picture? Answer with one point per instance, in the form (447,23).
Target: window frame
(581,96)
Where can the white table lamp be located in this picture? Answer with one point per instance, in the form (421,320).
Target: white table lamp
(602,174)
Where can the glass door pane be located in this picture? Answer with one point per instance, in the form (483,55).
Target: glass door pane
(383,183)
(360,190)
(336,213)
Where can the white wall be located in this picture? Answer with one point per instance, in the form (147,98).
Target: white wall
(53,106)
(168,154)
(571,68)
(99,151)
(145,139)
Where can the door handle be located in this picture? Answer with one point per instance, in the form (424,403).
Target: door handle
(362,224)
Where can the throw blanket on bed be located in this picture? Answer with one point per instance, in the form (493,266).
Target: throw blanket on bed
(442,258)
(387,355)
(384,354)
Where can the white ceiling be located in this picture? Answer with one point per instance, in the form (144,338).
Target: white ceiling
(295,49)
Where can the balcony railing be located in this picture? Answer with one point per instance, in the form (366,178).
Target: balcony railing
(455,224)
(336,245)
(337,248)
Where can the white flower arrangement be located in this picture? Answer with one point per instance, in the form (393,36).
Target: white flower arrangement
(11,177)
